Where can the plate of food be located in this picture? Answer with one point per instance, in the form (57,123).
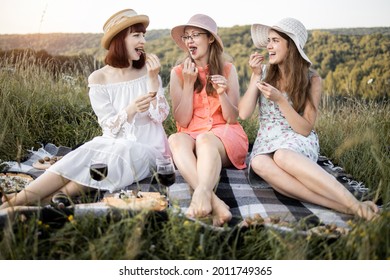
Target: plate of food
(46,162)
(13,182)
(137,201)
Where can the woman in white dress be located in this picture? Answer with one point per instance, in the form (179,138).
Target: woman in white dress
(286,148)
(128,100)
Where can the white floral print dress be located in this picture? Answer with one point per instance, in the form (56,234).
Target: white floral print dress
(275,133)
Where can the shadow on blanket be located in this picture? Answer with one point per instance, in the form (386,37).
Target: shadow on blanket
(244,192)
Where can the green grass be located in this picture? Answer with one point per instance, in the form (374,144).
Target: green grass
(39,107)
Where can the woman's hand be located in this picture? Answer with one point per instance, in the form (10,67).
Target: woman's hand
(219,83)
(140,104)
(190,72)
(269,91)
(153,66)
(255,62)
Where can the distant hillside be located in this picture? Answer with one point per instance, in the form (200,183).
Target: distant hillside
(358,31)
(351,61)
(64,43)
(89,43)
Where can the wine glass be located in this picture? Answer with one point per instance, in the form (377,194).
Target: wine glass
(165,172)
(98,171)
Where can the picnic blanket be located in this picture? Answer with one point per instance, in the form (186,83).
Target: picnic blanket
(244,192)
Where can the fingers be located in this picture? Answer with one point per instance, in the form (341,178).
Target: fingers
(218,81)
(189,67)
(255,59)
(264,88)
(152,63)
(143,102)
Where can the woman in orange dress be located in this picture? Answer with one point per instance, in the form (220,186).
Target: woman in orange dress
(205,92)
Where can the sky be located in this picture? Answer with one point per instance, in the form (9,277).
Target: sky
(88,16)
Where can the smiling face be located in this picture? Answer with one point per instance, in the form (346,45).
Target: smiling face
(277,48)
(135,42)
(197,42)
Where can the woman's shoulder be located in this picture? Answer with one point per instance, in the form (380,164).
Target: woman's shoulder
(98,76)
(107,75)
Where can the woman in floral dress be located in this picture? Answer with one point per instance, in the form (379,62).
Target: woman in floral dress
(288,92)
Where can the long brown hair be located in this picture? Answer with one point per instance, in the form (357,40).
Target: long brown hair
(298,73)
(117,55)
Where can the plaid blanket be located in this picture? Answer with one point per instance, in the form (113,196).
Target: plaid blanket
(243,191)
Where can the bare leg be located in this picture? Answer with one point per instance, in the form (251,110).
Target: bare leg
(200,165)
(297,176)
(40,188)
(183,147)
(70,189)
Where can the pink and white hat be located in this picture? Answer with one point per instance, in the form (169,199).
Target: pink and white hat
(200,21)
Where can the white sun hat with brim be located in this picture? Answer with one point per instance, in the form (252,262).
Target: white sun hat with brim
(293,28)
(120,21)
(201,21)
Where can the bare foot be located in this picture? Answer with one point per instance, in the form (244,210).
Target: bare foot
(367,210)
(200,204)
(221,213)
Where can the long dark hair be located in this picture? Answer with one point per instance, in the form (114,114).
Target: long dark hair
(298,73)
(117,53)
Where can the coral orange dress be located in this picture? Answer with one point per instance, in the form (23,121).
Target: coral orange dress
(207,116)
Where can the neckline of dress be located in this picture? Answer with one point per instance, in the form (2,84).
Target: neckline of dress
(120,83)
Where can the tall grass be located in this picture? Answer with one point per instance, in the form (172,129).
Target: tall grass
(356,135)
(38,106)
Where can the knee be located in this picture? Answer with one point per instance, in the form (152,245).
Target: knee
(174,141)
(203,139)
(262,166)
(284,158)
(177,142)
(204,142)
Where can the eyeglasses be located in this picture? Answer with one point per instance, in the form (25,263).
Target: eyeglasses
(193,36)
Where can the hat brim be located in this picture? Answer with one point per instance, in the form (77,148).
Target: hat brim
(259,34)
(107,37)
(178,31)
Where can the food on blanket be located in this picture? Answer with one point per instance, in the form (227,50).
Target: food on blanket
(330,230)
(137,201)
(258,220)
(46,162)
(13,182)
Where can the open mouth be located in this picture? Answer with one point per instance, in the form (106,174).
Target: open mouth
(192,50)
(140,51)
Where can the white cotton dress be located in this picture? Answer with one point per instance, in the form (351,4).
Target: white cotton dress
(276,133)
(129,149)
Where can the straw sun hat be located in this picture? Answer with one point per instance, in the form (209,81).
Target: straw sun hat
(200,21)
(291,27)
(120,21)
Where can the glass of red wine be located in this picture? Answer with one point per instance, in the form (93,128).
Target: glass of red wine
(98,171)
(165,172)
